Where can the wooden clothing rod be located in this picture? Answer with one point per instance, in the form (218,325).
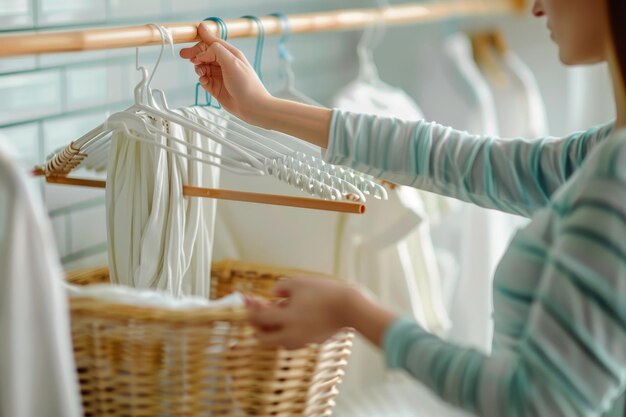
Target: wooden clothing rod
(277,200)
(108,38)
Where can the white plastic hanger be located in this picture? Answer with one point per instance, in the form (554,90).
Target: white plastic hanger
(308,180)
(276,159)
(142,122)
(283,163)
(289,90)
(367,93)
(135,122)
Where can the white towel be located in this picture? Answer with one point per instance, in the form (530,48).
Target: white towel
(151,298)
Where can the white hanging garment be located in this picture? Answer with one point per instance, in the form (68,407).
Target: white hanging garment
(519,106)
(199,235)
(377,97)
(454,93)
(513,108)
(476,236)
(383,250)
(390,252)
(535,122)
(587,89)
(36,361)
(157,238)
(372,96)
(418,277)
(367,93)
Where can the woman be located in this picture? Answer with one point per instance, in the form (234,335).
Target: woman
(559,291)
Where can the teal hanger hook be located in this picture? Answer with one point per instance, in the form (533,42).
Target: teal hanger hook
(283,52)
(259,44)
(224,36)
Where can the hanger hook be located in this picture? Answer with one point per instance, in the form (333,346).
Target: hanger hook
(224,36)
(286,58)
(259,44)
(166,36)
(375,32)
(283,52)
(371,38)
(146,78)
(138,90)
(221,24)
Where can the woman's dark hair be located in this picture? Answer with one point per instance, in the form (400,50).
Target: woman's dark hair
(617,17)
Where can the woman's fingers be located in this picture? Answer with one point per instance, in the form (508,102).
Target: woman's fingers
(209,55)
(209,70)
(255,302)
(283,288)
(209,38)
(224,72)
(264,317)
(281,338)
(276,338)
(216,55)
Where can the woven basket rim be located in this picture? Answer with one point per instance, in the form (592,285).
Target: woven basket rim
(192,316)
(88,306)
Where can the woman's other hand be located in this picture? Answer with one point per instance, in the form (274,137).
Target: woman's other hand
(311,310)
(226,74)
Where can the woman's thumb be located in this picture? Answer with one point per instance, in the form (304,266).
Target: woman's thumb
(206,34)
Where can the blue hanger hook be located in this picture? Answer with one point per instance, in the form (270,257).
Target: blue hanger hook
(223,35)
(283,52)
(259,44)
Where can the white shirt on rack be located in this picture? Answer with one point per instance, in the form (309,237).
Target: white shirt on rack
(459,88)
(411,282)
(158,238)
(389,251)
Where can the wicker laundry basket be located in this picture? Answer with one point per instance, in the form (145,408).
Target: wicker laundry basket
(146,361)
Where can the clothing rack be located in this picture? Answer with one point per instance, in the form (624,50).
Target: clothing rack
(136,36)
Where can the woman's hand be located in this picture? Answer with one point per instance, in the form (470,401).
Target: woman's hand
(312,310)
(227,75)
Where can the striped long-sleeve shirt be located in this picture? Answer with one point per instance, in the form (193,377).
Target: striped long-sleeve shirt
(560,289)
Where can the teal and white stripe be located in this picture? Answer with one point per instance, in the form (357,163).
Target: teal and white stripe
(513,175)
(560,289)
